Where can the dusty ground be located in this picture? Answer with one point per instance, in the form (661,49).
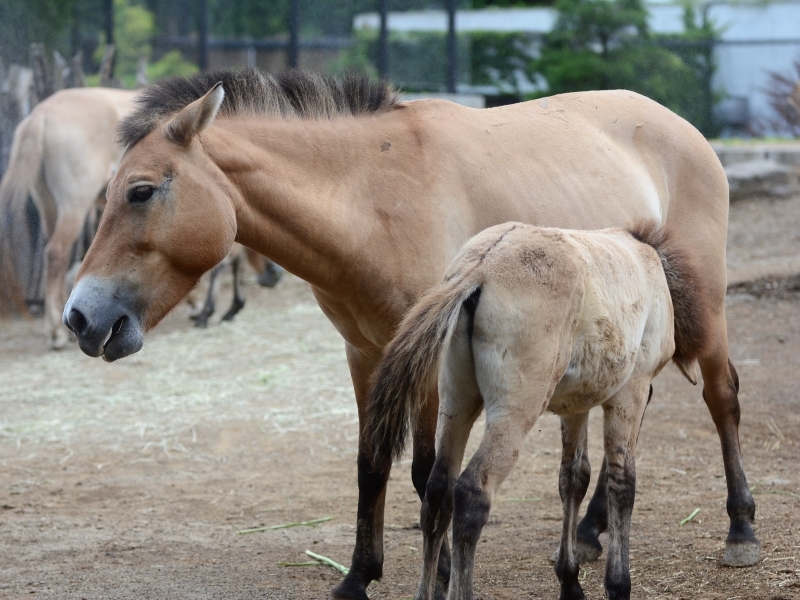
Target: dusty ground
(131,480)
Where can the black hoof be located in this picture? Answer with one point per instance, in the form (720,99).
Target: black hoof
(351,588)
(572,592)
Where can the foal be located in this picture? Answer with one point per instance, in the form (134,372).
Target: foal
(529,319)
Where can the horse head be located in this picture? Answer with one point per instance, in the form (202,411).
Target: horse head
(169,218)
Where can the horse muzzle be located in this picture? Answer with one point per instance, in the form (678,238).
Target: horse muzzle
(103,317)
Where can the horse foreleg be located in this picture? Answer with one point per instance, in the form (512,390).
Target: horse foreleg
(720,392)
(573,481)
(367,561)
(238,298)
(57,251)
(622,419)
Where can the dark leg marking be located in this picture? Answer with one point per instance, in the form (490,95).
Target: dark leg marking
(201,318)
(238,299)
(471,507)
(595,521)
(742,548)
(367,562)
(621,485)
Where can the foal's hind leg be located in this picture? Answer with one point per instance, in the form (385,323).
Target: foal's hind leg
(460,404)
(572,484)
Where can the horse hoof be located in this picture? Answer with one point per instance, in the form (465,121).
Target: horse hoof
(742,554)
(348,590)
(584,552)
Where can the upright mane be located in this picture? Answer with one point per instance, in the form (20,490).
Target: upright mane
(291,94)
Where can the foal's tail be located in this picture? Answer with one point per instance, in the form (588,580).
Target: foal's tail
(409,368)
(24,167)
(691,329)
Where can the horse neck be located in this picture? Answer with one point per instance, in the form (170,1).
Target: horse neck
(301,185)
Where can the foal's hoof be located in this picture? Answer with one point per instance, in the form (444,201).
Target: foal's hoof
(741,554)
(584,552)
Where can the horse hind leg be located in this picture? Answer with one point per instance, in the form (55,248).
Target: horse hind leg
(201,318)
(720,392)
(573,481)
(238,298)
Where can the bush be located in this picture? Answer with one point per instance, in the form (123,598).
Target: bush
(601,45)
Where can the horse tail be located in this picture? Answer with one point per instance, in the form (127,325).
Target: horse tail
(24,168)
(691,328)
(410,365)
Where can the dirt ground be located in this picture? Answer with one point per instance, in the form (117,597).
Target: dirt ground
(131,480)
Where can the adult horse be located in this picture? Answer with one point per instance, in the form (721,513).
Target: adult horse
(63,155)
(368,199)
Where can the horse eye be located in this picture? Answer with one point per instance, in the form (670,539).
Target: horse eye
(143,193)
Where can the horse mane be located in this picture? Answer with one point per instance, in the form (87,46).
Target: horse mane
(290,94)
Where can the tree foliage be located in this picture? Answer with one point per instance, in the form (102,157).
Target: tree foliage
(605,44)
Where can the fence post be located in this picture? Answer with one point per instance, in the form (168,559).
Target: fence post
(294,33)
(202,36)
(383,41)
(452,65)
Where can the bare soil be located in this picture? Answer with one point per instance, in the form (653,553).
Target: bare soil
(131,480)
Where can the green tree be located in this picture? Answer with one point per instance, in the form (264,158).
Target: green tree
(605,44)
(25,22)
(134,28)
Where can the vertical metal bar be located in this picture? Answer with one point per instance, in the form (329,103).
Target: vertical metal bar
(383,41)
(109,21)
(451,46)
(110,33)
(294,33)
(202,35)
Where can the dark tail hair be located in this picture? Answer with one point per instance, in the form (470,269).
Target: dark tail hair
(691,328)
(410,366)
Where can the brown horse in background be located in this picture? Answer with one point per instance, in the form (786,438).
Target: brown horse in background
(368,199)
(63,155)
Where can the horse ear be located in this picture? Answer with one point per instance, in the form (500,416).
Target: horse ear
(196,117)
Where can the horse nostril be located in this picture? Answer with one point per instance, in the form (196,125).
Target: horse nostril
(77,322)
